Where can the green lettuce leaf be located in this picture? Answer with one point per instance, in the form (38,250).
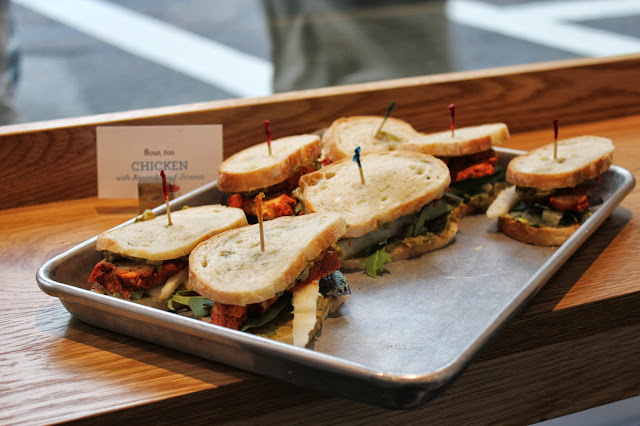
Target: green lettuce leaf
(136,294)
(200,305)
(430,212)
(374,264)
(467,188)
(274,310)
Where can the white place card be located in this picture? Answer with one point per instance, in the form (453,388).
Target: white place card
(129,155)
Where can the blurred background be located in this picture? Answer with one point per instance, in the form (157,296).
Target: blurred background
(66,58)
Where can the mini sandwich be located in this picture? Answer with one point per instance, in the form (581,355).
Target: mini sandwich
(254,170)
(347,133)
(397,213)
(147,261)
(469,154)
(284,292)
(551,197)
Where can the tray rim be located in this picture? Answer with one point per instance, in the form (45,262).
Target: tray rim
(426,386)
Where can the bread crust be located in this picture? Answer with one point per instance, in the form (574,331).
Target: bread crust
(540,236)
(347,133)
(155,240)
(397,183)
(253,168)
(466,140)
(230,268)
(581,158)
(400,250)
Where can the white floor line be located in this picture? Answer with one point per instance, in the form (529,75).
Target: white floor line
(578,10)
(546,29)
(236,72)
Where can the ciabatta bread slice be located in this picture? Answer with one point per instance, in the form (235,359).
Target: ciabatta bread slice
(253,168)
(155,240)
(465,141)
(230,268)
(397,184)
(347,133)
(578,159)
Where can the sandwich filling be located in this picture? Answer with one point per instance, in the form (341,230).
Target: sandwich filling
(279,199)
(127,278)
(235,316)
(418,229)
(166,286)
(554,207)
(476,178)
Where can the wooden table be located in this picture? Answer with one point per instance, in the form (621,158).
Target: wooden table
(575,346)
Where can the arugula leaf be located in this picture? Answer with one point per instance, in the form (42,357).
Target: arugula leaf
(200,305)
(274,310)
(430,212)
(470,187)
(136,294)
(374,264)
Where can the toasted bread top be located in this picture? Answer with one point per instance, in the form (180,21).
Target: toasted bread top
(578,159)
(347,133)
(465,141)
(230,267)
(155,240)
(253,168)
(397,183)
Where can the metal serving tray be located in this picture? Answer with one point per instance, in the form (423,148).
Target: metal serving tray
(398,342)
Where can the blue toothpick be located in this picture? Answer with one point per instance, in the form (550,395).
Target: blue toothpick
(356,158)
(392,105)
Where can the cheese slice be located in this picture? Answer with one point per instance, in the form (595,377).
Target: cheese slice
(305,306)
(504,202)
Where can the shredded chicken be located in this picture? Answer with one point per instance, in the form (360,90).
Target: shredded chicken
(472,166)
(273,206)
(230,316)
(324,265)
(127,275)
(575,203)
(279,200)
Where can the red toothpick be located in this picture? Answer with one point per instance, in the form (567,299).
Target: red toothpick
(166,189)
(452,110)
(258,201)
(267,129)
(555,139)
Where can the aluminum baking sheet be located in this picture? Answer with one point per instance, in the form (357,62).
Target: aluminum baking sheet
(398,342)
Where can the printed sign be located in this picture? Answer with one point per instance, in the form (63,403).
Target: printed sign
(131,155)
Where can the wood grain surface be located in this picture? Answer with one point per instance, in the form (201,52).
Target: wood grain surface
(576,345)
(525,97)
